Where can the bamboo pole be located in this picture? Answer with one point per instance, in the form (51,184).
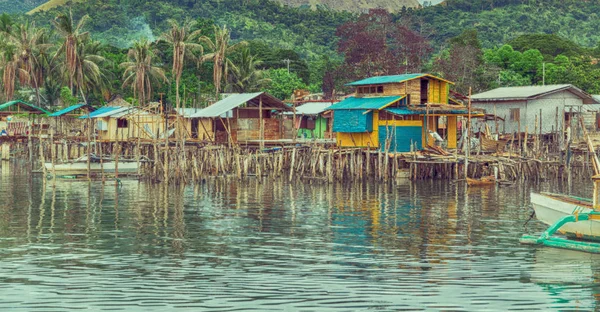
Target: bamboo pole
(89,148)
(468,139)
(261,125)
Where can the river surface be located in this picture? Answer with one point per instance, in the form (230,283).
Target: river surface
(276,246)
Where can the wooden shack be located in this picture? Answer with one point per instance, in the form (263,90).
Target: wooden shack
(200,129)
(313,119)
(537,109)
(245,118)
(17,116)
(67,121)
(115,123)
(397,113)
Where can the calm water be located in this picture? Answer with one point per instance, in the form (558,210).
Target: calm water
(226,246)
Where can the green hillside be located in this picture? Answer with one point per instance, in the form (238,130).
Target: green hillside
(355,5)
(18,6)
(500,21)
(461,40)
(119,23)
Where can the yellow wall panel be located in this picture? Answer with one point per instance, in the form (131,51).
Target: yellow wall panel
(452,131)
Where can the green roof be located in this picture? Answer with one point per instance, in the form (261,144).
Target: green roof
(391,79)
(365,103)
(25,105)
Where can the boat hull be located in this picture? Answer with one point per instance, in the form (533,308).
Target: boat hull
(81,167)
(550,209)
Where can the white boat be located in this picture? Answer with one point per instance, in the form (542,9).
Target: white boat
(80,166)
(550,208)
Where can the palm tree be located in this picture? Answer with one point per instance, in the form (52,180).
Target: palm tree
(183,40)
(90,75)
(28,43)
(6,23)
(9,63)
(220,49)
(245,76)
(72,35)
(140,73)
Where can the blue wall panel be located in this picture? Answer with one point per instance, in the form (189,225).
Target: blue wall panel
(352,121)
(401,138)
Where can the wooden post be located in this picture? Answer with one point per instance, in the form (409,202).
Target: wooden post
(262,128)
(468,138)
(30,144)
(89,148)
(52,152)
(495,121)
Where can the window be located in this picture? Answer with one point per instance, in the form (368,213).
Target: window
(370,90)
(122,123)
(515,114)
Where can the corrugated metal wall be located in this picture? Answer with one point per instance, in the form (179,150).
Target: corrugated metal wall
(352,121)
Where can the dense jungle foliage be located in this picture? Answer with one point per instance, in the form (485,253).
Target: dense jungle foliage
(476,43)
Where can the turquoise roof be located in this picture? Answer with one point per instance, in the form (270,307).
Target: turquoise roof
(17,102)
(99,111)
(401,111)
(405,111)
(365,103)
(391,79)
(66,110)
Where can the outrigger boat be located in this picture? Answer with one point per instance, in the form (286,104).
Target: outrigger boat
(577,218)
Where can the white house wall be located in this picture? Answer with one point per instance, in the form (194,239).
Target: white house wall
(564,100)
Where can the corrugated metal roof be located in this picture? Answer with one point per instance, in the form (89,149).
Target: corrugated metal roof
(530,92)
(16,102)
(391,79)
(112,112)
(225,105)
(590,107)
(187,112)
(365,103)
(66,110)
(126,112)
(100,111)
(311,108)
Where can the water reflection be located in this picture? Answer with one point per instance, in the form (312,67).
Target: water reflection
(222,246)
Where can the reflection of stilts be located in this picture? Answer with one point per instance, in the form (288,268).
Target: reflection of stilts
(5,168)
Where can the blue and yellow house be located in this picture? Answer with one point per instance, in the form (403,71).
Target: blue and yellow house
(394,112)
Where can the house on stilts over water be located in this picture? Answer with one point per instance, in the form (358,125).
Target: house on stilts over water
(18,117)
(243,118)
(398,113)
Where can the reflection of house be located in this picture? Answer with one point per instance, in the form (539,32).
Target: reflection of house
(67,119)
(551,105)
(244,117)
(396,112)
(15,117)
(312,120)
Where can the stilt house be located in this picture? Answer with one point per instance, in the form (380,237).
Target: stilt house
(397,113)
(17,116)
(536,109)
(313,120)
(67,121)
(245,118)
